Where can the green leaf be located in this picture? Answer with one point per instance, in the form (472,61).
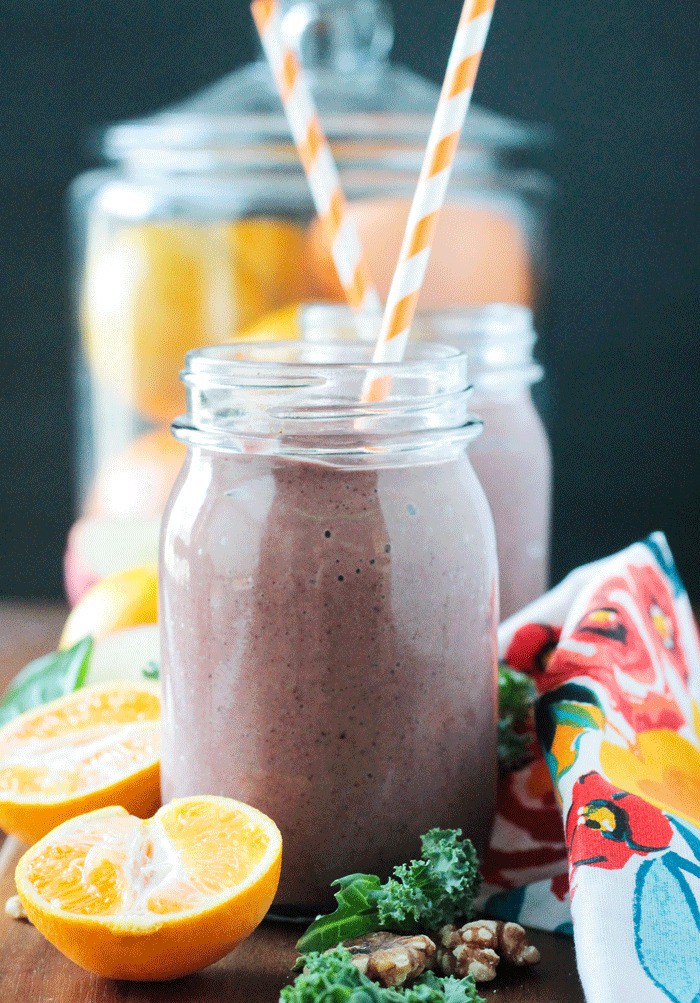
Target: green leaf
(512,745)
(151,670)
(516,697)
(46,679)
(516,693)
(421,895)
(332,978)
(355,916)
(452,990)
(437,889)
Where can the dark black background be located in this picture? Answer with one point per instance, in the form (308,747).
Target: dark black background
(615,79)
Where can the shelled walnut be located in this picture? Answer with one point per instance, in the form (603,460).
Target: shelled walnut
(390,959)
(476,948)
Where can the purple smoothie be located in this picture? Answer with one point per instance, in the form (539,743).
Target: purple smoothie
(512,457)
(513,462)
(328,653)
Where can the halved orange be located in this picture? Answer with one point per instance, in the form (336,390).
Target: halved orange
(159,899)
(99,746)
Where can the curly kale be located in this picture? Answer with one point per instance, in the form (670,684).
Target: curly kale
(332,978)
(453,990)
(516,696)
(422,895)
(435,890)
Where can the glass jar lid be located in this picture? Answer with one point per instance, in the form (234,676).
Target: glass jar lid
(361,95)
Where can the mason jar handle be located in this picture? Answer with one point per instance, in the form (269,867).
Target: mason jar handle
(345,36)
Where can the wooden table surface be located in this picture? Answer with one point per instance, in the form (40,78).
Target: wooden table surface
(31,971)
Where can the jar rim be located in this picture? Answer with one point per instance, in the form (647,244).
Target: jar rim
(497,338)
(307,399)
(244,360)
(496,319)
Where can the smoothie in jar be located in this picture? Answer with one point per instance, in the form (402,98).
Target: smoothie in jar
(328,606)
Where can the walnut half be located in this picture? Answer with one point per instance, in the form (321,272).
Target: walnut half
(476,948)
(391,960)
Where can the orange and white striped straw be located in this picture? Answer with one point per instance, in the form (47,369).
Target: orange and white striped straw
(445,134)
(317,159)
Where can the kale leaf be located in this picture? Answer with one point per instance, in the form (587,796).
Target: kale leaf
(453,990)
(332,978)
(435,890)
(422,895)
(516,696)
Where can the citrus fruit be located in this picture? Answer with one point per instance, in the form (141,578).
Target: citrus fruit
(156,899)
(280,325)
(267,257)
(136,482)
(151,293)
(97,747)
(154,291)
(100,546)
(125,599)
(479,255)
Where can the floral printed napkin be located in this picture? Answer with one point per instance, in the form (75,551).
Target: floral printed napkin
(615,655)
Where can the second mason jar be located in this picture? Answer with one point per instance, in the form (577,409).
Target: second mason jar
(329,603)
(512,458)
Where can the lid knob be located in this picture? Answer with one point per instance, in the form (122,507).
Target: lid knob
(340,35)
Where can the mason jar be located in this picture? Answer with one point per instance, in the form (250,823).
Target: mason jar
(329,603)
(200,226)
(512,458)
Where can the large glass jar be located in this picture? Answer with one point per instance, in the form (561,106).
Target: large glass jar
(329,603)
(202,225)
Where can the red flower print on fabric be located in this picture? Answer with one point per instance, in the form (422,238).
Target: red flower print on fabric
(610,627)
(605,826)
(528,829)
(531,648)
(611,650)
(656,601)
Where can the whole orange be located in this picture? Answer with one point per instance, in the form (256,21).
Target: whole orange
(137,481)
(479,254)
(153,291)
